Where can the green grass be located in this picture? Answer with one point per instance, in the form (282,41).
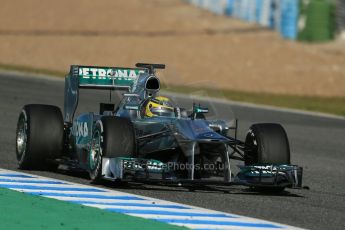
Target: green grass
(33,70)
(30,212)
(331,105)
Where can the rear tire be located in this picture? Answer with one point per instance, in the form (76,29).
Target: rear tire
(112,137)
(267,144)
(39,136)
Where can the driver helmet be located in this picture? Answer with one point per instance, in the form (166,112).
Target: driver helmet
(159,107)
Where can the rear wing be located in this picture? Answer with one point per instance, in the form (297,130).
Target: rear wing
(105,77)
(95,77)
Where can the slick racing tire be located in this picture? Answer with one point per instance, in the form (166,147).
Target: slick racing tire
(267,144)
(39,136)
(112,137)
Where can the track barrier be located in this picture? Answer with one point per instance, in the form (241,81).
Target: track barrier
(305,20)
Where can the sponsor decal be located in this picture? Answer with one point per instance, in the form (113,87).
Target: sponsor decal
(80,129)
(109,73)
(131,107)
(208,135)
(266,169)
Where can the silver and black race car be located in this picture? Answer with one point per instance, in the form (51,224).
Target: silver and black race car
(146,138)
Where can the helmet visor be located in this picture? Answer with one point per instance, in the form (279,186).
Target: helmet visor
(163,112)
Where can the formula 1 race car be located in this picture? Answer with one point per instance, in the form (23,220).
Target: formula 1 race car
(146,138)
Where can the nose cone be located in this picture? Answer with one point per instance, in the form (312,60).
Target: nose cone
(210,136)
(198,131)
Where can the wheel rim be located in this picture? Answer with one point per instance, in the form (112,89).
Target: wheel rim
(21,136)
(95,152)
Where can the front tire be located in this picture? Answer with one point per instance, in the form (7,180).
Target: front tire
(39,136)
(112,137)
(267,144)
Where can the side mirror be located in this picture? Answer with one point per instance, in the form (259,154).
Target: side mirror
(199,112)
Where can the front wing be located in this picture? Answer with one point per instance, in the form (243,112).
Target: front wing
(153,171)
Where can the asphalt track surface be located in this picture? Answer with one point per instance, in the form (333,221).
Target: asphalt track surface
(317,143)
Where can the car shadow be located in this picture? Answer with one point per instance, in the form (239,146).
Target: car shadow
(233,190)
(135,186)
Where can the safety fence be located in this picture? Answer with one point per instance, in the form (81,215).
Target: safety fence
(307,20)
(340,17)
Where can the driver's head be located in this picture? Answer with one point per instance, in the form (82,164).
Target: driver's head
(159,107)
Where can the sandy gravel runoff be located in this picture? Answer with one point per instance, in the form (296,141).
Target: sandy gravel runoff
(199,48)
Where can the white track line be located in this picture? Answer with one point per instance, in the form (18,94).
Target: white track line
(220,227)
(186,211)
(105,201)
(130,204)
(149,216)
